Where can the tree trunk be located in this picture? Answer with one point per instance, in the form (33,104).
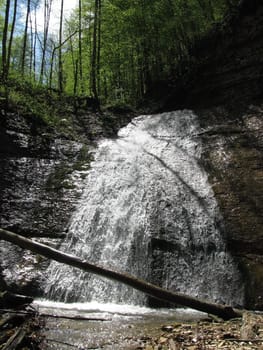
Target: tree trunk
(11,36)
(31,47)
(98,49)
(60,65)
(25,38)
(35,44)
(223,311)
(47,12)
(80,51)
(93,73)
(4,42)
(53,56)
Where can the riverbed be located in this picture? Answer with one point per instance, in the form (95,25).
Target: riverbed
(106,326)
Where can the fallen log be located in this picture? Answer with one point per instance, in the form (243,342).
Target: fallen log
(11,318)
(224,311)
(16,339)
(8,299)
(40,314)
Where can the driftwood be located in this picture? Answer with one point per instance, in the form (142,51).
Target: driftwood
(12,318)
(16,339)
(20,330)
(223,311)
(12,313)
(8,299)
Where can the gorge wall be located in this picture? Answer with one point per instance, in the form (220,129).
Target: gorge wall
(226,70)
(41,173)
(234,159)
(37,190)
(223,67)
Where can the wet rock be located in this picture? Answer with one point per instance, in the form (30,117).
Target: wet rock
(235,166)
(39,172)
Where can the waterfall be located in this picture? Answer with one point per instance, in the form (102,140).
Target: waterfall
(148,209)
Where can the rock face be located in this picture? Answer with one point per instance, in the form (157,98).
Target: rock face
(225,67)
(234,158)
(38,172)
(226,70)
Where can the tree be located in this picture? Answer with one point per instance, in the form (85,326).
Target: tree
(47,13)
(25,38)
(80,50)
(11,35)
(96,49)
(122,49)
(4,42)
(57,48)
(60,65)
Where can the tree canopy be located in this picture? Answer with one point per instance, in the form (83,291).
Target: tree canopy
(112,50)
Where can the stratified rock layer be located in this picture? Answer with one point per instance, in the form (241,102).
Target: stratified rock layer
(234,159)
(38,172)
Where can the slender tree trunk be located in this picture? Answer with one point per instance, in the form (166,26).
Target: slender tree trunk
(75,70)
(80,48)
(4,42)
(47,12)
(11,36)
(90,46)
(99,48)
(75,65)
(94,51)
(35,45)
(53,55)
(51,66)
(224,311)
(31,46)
(60,65)
(25,38)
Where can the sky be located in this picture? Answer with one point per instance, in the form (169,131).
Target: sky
(69,5)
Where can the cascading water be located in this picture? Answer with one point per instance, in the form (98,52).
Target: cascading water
(148,210)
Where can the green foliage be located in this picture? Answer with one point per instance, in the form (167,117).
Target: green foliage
(138,42)
(141,41)
(45,107)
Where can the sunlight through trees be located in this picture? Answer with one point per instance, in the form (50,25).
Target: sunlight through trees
(111,50)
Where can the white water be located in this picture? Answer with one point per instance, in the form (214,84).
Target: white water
(108,310)
(123,328)
(148,209)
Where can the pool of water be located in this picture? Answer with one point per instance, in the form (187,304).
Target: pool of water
(106,326)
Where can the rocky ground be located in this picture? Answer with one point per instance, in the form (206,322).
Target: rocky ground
(24,329)
(210,335)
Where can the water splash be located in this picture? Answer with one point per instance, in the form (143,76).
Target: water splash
(149,210)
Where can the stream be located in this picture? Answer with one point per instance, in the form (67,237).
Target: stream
(124,327)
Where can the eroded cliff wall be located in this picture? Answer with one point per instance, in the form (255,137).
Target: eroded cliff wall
(226,71)
(38,172)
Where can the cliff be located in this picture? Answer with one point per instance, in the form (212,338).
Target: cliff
(42,168)
(223,83)
(223,67)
